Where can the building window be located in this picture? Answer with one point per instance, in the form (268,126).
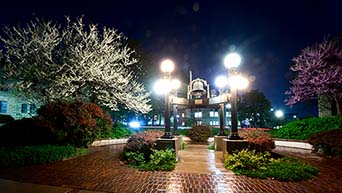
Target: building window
(24,108)
(183,123)
(198,114)
(3,106)
(228,114)
(213,114)
(199,122)
(183,115)
(33,108)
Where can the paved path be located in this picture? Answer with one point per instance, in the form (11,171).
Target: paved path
(101,171)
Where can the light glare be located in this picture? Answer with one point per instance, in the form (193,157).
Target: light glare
(134,124)
(162,86)
(175,84)
(167,66)
(238,82)
(232,60)
(221,81)
(279,113)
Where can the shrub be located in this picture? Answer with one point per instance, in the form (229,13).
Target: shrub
(159,160)
(184,132)
(330,142)
(6,119)
(28,155)
(259,141)
(215,131)
(75,123)
(26,131)
(199,133)
(262,165)
(143,142)
(303,129)
(120,131)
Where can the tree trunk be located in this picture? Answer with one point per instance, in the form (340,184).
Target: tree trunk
(338,107)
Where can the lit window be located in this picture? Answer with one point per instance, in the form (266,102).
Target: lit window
(183,123)
(24,108)
(211,114)
(216,114)
(198,114)
(210,123)
(199,122)
(183,115)
(3,106)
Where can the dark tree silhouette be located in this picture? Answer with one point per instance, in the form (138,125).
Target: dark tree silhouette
(254,105)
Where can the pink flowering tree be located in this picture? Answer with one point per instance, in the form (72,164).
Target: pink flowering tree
(318,72)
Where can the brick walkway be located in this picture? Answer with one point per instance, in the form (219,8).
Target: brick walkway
(102,171)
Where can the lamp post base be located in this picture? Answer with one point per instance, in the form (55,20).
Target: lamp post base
(167,135)
(221,133)
(234,137)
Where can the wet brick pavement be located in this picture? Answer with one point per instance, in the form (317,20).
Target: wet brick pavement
(101,171)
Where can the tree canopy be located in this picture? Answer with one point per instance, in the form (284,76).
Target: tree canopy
(76,62)
(256,107)
(318,72)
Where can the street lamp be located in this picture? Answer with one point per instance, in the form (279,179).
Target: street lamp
(279,114)
(236,81)
(165,86)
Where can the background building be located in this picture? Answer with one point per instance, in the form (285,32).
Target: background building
(15,106)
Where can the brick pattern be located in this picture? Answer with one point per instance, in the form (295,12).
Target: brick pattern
(101,170)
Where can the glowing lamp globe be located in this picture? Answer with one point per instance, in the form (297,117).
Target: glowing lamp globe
(167,66)
(279,113)
(221,81)
(232,60)
(238,82)
(175,84)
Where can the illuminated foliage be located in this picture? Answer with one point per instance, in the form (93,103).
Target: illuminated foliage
(75,62)
(318,72)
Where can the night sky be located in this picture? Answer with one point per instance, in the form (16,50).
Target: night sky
(197,34)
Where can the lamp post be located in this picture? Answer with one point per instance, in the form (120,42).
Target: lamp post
(175,85)
(236,81)
(221,82)
(167,66)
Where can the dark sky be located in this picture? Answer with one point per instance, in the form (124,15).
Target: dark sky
(197,34)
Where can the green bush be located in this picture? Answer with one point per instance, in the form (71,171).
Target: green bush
(26,131)
(6,119)
(159,160)
(199,133)
(215,131)
(135,158)
(143,142)
(118,131)
(262,165)
(75,123)
(28,155)
(184,132)
(211,146)
(330,142)
(303,129)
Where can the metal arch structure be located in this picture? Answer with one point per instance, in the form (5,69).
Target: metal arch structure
(198,96)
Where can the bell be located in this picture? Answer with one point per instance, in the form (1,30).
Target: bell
(198,89)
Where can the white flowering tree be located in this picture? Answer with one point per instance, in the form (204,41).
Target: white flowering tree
(76,62)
